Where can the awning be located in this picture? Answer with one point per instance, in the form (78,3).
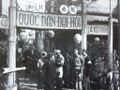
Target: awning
(91,18)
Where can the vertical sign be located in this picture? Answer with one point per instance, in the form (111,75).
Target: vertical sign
(4,23)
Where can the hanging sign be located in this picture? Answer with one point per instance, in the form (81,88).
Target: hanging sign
(47,21)
(97,29)
(73,9)
(64,9)
(4,23)
(31,5)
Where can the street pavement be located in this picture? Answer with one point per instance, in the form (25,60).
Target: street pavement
(26,81)
(25,84)
(29,82)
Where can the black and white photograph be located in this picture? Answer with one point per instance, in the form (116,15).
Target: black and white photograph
(59,44)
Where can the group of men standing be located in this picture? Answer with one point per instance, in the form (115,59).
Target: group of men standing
(51,70)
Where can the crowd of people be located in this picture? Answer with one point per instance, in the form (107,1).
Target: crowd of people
(57,72)
(74,70)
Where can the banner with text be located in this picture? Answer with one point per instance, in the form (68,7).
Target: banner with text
(47,21)
(97,29)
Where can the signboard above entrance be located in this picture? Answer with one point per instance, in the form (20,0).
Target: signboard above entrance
(47,21)
(97,30)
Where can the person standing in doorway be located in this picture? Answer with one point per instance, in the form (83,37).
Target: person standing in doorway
(52,70)
(59,60)
(41,70)
(66,69)
(86,71)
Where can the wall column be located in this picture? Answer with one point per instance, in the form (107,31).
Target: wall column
(12,46)
(84,23)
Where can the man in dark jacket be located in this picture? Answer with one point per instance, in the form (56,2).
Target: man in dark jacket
(86,71)
(41,65)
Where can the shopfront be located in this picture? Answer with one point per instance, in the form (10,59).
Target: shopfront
(64,27)
(97,37)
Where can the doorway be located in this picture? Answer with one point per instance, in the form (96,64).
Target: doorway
(64,40)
